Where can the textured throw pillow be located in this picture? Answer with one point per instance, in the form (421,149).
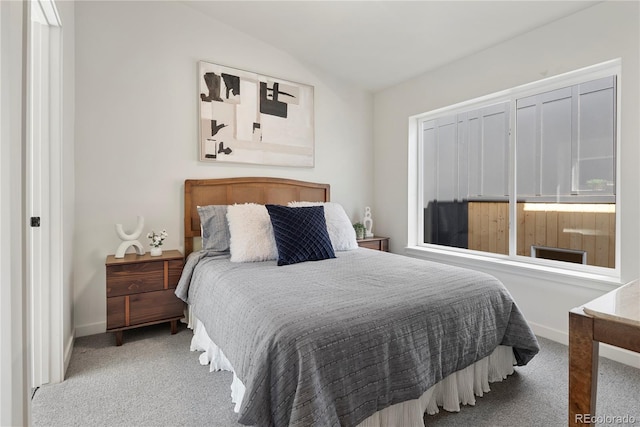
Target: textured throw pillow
(251,233)
(214,227)
(341,232)
(300,234)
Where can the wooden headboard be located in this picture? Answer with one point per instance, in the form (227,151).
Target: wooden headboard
(227,191)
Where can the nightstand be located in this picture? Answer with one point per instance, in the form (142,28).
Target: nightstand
(376,242)
(140,291)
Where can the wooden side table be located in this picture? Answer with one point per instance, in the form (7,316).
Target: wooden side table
(376,242)
(140,291)
(614,319)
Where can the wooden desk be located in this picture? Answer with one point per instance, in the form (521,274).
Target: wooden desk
(614,319)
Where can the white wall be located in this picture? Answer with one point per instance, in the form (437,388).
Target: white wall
(605,31)
(136,128)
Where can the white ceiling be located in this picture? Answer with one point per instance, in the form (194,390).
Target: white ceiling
(376,44)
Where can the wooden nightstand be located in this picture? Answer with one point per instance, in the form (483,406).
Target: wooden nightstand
(376,242)
(140,291)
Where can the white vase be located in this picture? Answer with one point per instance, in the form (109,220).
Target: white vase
(155,251)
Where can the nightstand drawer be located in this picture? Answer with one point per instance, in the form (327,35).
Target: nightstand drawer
(377,243)
(371,244)
(128,279)
(117,312)
(175,271)
(152,306)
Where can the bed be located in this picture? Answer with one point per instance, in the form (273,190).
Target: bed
(345,336)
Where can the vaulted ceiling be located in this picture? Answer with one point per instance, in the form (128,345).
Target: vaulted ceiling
(376,44)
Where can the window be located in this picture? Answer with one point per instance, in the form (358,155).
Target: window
(465,161)
(565,141)
(529,173)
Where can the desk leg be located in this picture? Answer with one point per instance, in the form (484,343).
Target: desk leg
(583,370)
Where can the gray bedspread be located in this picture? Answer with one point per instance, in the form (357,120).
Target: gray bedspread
(331,342)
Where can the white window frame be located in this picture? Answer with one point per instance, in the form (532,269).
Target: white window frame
(532,265)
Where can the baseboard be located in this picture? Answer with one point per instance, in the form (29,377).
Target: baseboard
(610,352)
(550,333)
(68,349)
(91,329)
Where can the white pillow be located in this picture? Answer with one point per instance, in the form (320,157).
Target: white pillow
(341,232)
(251,232)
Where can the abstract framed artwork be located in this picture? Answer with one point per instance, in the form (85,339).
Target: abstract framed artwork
(246,117)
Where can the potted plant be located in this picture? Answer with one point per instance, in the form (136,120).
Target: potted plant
(360,230)
(156,241)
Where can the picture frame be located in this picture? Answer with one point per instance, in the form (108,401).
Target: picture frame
(246,117)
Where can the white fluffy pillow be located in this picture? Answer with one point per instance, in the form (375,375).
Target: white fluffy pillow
(251,232)
(341,232)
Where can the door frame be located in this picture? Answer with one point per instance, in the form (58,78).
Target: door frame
(14,365)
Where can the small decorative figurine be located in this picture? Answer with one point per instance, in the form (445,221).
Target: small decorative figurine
(130,239)
(368,222)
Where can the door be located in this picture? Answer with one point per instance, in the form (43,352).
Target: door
(43,202)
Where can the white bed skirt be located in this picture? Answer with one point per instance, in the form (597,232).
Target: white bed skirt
(461,387)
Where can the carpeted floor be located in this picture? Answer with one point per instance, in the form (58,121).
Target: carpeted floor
(154,380)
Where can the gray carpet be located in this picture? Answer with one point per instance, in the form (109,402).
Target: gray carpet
(154,380)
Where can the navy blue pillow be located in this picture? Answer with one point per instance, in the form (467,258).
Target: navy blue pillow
(301,234)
